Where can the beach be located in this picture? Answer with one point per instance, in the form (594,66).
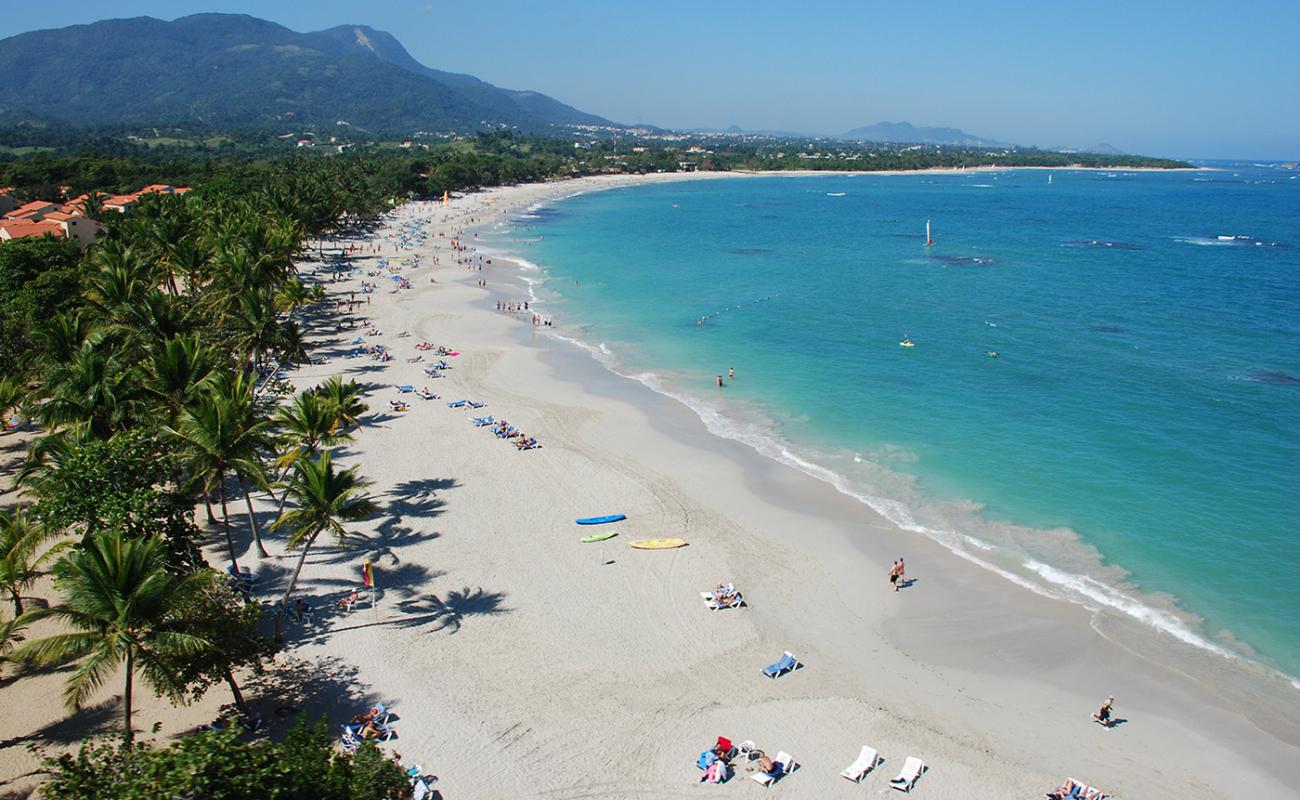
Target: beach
(521,662)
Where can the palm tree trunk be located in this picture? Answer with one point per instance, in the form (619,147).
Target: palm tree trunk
(252,518)
(234,691)
(207,503)
(225,520)
(293,582)
(128,735)
(18,604)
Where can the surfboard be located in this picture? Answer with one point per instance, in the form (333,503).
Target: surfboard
(600,520)
(657,544)
(599,537)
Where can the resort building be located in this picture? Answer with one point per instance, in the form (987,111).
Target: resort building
(68,221)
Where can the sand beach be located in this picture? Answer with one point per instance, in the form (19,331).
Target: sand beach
(523,663)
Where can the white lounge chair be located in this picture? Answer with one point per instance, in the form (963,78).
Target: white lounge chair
(746,749)
(787,765)
(866,762)
(912,769)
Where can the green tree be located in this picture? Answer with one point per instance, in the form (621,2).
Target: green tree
(84,487)
(217,765)
(21,557)
(221,433)
(323,500)
(119,599)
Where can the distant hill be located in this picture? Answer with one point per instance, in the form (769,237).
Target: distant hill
(907,133)
(238,71)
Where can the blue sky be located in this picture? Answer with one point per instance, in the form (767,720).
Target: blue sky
(1186,79)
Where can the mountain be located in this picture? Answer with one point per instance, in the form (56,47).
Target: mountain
(364,40)
(230,70)
(907,133)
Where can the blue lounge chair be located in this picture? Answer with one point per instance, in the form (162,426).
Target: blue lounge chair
(788,663)
(472,404)
(406,387)
(479,422)
(457,404)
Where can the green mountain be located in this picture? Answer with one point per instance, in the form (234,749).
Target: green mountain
(236,71)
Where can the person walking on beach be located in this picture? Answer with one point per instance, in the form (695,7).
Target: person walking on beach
(1103,714)
(902,574)
(893,575)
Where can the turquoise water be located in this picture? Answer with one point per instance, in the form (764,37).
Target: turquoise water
(1135,443)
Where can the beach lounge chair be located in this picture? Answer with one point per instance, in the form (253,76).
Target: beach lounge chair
(406,387)
(472,404)
(783,765)
(746,749)
(1074,790)
(531,444)
(908,776)
(788,663)
(457,404)
(479,422)
(730,598)
(866,762)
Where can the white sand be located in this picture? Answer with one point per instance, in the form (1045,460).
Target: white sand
(523,663)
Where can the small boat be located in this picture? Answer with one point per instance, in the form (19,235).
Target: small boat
(906,343)
(929,242)
(835,194)
(991,353)
(657,544)
(601,520)
(598,537)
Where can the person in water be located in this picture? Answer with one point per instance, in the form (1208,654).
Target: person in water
(719,381)
(731,373)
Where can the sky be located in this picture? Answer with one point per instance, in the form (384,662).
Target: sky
(1183,79)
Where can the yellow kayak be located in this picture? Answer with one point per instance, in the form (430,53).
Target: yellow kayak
(657,544)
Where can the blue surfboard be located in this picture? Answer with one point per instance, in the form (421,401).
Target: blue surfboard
(600,520)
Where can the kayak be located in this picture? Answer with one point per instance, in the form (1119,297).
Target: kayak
(657,544)
(906,344)
(598,537)
(600,520)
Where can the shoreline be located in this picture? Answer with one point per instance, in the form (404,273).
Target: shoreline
(1161,612)
(944,674)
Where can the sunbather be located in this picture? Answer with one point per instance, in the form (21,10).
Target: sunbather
(767,766)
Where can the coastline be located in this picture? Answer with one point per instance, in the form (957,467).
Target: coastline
(957,676)
(523,663)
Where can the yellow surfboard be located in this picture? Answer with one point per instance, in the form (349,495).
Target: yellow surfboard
(657,544)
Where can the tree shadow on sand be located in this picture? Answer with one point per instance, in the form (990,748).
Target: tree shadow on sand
(90,721)
(452,609)
(322,686)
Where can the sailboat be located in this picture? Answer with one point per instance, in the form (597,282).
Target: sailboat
(929,242)
(1049,178)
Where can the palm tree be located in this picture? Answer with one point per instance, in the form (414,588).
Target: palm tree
(179,370)
(94,394)
(11,394)
(344,400)
(220,433)
(119,599)
(21,561)
(324,500)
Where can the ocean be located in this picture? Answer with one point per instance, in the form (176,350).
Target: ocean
(1102,399)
